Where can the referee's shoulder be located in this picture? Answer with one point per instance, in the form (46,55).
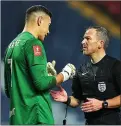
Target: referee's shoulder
(116,63)
(113,58)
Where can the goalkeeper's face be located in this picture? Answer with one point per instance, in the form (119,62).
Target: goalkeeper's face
(90,43)
(43,27)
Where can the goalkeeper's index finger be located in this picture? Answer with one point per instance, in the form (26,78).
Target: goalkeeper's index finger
(53,63)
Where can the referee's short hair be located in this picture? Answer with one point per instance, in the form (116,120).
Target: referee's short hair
(102,33)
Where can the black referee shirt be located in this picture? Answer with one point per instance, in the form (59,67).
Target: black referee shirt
(101,81)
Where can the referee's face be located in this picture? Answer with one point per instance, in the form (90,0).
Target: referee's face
(90,42)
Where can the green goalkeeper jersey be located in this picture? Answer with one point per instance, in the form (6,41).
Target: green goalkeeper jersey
(27,82)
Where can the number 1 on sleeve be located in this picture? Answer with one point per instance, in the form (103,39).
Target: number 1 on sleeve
(10,63)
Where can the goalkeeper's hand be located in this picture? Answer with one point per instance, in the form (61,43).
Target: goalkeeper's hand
(68,71)
(51,68)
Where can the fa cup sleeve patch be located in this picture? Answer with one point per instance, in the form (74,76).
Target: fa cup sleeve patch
(37,50)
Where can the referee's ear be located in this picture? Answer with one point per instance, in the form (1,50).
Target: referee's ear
(101,44)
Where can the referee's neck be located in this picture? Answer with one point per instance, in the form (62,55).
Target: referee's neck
(95,58)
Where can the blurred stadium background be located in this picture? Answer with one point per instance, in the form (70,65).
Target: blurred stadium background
(70,19)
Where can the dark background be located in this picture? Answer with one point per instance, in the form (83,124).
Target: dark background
(63,43)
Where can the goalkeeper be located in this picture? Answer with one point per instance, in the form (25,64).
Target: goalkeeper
(27,82)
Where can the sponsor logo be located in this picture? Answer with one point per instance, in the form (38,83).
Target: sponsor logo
(84,73)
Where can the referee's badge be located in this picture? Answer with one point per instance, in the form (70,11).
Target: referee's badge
(101,86)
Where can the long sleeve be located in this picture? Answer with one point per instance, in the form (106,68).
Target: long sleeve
(40,78)
(117,75)
(37,65)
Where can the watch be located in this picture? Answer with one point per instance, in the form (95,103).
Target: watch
(105,104)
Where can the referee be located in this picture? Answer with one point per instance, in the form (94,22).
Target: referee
(96,87)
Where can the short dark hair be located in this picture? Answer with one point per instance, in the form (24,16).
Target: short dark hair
(102,33)
(37,8)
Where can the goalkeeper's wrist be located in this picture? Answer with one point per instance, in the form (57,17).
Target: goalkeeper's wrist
(68,101)
(65,75)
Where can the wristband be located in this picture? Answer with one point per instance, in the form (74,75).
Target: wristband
(65,75)
(105,104)
(68,101)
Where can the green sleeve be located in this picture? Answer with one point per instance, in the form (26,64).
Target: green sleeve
(40,79)
(37,65)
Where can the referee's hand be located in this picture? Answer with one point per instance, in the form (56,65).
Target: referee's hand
(91,105)
(60,95)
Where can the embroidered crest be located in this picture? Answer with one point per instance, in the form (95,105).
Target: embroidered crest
(101,86)
(37,50)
